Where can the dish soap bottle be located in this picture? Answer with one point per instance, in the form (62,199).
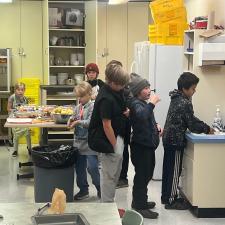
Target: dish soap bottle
(217,122)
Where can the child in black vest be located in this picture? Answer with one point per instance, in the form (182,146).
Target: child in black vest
(107,128)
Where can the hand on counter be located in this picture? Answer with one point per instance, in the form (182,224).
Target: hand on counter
(211,131)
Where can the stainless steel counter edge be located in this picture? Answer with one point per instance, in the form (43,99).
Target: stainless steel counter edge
(203,138)
(95,213)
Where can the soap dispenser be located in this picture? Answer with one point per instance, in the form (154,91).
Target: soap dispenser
(217,122)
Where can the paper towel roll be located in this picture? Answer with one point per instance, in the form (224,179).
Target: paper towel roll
(211,20)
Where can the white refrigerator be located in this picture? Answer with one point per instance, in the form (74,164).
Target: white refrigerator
(161,65)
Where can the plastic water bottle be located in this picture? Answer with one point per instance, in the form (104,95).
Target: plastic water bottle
(217,122)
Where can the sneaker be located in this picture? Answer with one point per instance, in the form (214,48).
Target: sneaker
(147,213)
(164,202)
(15,153)
(122,183)
(178,205)
(150,205)
(81,195)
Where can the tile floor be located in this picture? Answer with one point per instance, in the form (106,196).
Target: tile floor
(12,190)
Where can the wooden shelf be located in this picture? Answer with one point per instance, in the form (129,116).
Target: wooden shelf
(66,66)
(60,132)
(60,98)
(189,31)
(67,47)
(66,29)
(66,2)
(4,117)
(4,137)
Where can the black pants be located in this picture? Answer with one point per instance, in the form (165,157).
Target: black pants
(172,167)
(143,160)
(125,164)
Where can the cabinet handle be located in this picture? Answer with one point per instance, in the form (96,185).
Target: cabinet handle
(46,51)
(105,52)
(21,52)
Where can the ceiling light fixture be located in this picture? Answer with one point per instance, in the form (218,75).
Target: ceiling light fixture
(6,1)
(117,2)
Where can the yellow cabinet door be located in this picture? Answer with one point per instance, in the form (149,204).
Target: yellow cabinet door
(10,34)
(21,30)
(31,38)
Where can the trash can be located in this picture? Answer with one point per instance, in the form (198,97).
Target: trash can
(53,168)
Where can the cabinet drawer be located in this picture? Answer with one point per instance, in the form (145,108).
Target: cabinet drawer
(189,150)
(187,178)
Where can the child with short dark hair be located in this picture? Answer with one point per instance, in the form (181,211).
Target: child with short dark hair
(144,141)
(180,117)
(107,128)
(14,101)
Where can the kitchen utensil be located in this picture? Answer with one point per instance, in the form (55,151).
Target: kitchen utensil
(53,40)
(59,61)
(51,59)
(73,59)
(53,79)
(67,62)
(80,58)
(61,118)
(61,42)
(78,78)
(70,81)
(74,17)
(62,77)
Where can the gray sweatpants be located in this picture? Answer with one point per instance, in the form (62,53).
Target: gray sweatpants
(111,165)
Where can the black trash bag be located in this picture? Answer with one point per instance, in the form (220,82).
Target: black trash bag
(53,156)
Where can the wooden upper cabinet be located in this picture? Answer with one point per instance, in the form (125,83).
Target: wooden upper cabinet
(119,27)
(21,30)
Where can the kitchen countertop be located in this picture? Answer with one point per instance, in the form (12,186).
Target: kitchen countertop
(65,87)
(95,213)
(205,138)
(41,125)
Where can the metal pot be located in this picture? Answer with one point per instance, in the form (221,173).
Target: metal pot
(70,81)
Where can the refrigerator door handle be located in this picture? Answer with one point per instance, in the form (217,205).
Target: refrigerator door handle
(134,64)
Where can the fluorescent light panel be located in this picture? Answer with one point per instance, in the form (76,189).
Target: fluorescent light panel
(6,1)
(117,2)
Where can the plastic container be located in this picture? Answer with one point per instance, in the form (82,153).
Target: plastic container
(54,156)
(165,5)
(179,14)
(217,122)
(53,79)
(60,118)
(78,78)
(35,136)
(53,168)
(171,33)
(62,77)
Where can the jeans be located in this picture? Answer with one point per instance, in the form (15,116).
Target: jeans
(87,163)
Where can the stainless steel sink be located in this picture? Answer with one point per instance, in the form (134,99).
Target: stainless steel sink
(63,219)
